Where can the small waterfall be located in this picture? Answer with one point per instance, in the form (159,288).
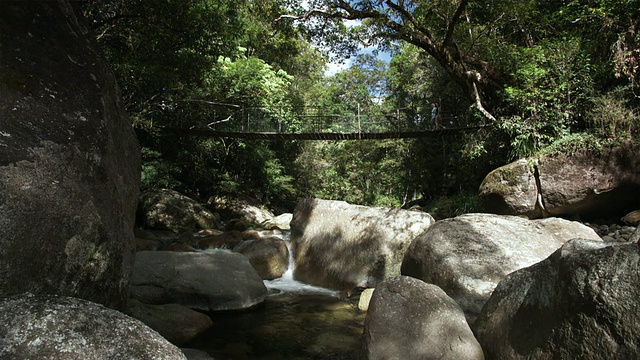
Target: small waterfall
(286,283)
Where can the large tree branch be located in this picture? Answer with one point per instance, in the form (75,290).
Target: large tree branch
(306,16)
(466,70)
(454,21)
(407,15)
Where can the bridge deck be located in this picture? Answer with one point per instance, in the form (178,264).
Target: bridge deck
(320,135)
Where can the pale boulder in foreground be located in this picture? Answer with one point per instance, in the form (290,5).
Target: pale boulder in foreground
(467,256)
(410,319)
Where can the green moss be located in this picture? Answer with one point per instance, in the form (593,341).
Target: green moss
(502,180)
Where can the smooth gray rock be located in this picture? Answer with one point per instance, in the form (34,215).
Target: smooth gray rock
(583,302)
(635,236)
(632,218)
(52,327)
(467,256)
(205,281)
(591,185)
(410,319)
(341,246)
(69,160)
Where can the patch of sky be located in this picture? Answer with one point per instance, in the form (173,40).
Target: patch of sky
(338,64)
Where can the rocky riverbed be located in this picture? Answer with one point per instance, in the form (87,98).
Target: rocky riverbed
(613,232)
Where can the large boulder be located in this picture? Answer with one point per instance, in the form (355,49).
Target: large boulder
(341,246)
(589,185)
(268,255)
(53,327)
(69,160)
(242,207)
(205,281)
(467,256)
(583,302)
(410,319)
(171,210)
(176,323)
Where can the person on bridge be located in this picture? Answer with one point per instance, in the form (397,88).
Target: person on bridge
(436,119)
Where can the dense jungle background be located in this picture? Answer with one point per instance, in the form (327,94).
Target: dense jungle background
(548,76)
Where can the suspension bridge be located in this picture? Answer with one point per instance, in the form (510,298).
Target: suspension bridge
(320,124)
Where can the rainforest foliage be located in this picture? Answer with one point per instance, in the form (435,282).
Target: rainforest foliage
(545,74)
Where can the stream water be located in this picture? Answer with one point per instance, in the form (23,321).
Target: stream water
(297,321)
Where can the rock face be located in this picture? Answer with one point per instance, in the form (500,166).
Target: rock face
(170,210)
(467,256)
(269,256)
(342,246)
(174,322)
(214,281)
(69,160)
(595,186)
(410,319)
(51,327)
(581,302)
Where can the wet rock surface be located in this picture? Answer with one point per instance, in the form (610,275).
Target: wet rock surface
(176,323)
(288,326)
(268,255)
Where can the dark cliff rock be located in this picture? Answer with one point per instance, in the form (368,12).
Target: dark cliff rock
(600,186)
(69,160)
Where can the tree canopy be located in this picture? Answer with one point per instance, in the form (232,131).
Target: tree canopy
(545,74)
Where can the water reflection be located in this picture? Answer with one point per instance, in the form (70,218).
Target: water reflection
(289,326)
(297,321)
